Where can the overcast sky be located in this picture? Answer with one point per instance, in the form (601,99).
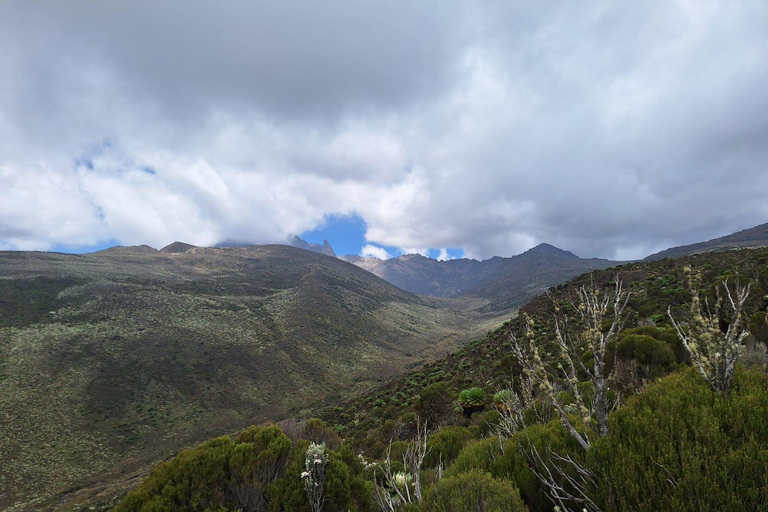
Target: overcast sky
(610,129)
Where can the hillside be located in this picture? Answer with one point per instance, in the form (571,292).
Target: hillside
(748,238)
(699,450)
(506,282)
(489,364)
(111,361)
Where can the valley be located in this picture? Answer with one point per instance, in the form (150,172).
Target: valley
(112,361)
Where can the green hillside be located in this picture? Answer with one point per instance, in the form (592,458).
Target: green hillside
(114,360)
(489,363)
(673,442)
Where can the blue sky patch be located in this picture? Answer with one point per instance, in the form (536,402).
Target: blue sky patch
(84,249)
(345,233)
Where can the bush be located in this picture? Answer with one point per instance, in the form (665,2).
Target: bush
(221,473)
(680,446)
(501,398)
(473,491)
(435,403)
(317,431)
(444,446)
(506,460)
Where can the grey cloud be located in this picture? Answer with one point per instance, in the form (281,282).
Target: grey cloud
(606,128)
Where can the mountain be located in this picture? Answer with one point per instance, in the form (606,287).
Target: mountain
(427,276)
(746,239)
(518,279)
(326,248)
(505,282)
(112,360)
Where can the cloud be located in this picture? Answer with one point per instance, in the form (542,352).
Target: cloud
(607,129)
(371,251)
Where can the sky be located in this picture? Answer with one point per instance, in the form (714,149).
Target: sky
(449,128)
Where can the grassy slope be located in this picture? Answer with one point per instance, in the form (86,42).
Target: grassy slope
(112,361)
(488,362)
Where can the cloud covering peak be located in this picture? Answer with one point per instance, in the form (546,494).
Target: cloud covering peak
(609,129)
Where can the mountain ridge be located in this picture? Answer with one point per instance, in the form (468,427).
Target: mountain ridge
(753,237)
(506,282)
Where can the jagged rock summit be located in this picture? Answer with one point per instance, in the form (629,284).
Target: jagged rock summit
(326,248)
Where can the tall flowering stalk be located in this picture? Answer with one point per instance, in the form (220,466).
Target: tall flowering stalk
(314,475)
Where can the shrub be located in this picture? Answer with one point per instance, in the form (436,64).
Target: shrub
(444,446)
(219,473)
(474,491)
(680,446)
(501,398)
(505,459)
(317,431)
(435,403)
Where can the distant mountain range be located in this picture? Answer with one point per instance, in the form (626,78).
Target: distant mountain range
(746,239)
(505,282)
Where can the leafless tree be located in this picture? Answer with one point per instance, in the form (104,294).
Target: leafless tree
(714,336)
(594,327)
(398,488)
(593,308)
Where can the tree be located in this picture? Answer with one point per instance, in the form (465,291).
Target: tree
(593,309)
(600,318)
(714,337)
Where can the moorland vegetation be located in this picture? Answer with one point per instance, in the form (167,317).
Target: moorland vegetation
(485,429)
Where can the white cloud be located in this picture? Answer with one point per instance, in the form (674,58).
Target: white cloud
(372,251)
(606,129)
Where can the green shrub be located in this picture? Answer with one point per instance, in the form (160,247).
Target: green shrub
(474,490)
(506,460)
(502,397)
(317,431)
(435,403)
(444,446)
(680,446)
(216,474)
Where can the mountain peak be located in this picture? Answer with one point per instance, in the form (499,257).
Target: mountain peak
(177,247)
(326,248)
(550,250)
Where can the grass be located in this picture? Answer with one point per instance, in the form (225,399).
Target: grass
(112,361)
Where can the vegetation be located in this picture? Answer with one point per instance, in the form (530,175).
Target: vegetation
(472,397)
(109,361)
(676,445)
(673,441)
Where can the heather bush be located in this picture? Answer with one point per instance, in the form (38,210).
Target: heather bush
(474,491)
(681,446)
